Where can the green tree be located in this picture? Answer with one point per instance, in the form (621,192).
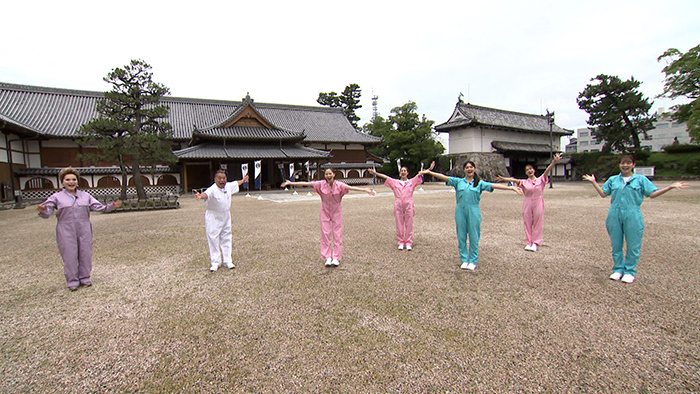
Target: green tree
(348,100)
(683,80)
(407,136)
(129,129)
(617,112)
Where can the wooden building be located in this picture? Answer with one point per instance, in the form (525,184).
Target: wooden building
(38,137)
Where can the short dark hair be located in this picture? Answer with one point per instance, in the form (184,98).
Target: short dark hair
(628,157)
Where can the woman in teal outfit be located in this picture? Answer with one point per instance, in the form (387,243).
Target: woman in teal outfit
(467,213)
(625,222)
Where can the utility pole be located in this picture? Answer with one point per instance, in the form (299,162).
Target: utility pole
(550,121)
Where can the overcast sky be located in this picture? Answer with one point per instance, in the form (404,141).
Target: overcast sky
(525,56)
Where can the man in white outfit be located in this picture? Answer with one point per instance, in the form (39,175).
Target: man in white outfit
(217,219)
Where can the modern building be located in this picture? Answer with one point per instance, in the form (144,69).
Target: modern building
(38,137)
(503,140)
(665,132)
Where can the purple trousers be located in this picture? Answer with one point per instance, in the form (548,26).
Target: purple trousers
(75,246)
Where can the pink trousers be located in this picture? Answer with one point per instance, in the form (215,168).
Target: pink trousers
(332,224)
(403,213)
(533,219)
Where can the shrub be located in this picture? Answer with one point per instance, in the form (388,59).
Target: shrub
(682,148)
(693,167)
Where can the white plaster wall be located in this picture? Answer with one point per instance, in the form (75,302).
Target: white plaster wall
(480,139)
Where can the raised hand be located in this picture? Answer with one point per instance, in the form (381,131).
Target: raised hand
(681,185)
(589,178)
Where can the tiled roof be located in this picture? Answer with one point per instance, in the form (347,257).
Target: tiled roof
(473,115)
(239,133)
(57,112)
(505,146)
(210,150)
(92,170)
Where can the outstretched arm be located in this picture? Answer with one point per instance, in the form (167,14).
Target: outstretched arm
(437,175)
(504,187)
(551,165)
(200,196)
(287,183)
(378,174)
(507,179)
(242,181)
(591,179)
(367,190)
(677,185)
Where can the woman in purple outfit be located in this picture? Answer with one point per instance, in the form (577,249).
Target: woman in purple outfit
(73,228)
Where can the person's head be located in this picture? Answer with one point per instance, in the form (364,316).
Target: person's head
(627,164)
(529,170)
(469,168)
(403,173)
(220,178)
(470,171)
(69,178)
(329,175)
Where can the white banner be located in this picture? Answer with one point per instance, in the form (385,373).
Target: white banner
(258,168)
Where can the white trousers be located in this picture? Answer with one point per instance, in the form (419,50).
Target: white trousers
(218,228)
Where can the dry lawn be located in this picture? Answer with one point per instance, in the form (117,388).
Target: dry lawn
(385,321)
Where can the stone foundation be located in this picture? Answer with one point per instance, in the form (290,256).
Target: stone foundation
(488,165)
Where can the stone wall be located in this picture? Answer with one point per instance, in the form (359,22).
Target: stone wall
(488,165)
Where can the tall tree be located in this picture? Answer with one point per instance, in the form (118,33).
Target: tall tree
(407,136)
(617,112)
(129,128)
(683,80)
(348,100)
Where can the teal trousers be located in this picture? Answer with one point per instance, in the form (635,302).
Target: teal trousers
(625,224)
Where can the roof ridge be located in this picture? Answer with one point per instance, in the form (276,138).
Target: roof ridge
(94,93)
(501,110)
(45,89)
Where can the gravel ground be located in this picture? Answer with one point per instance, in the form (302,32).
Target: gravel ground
(384,321)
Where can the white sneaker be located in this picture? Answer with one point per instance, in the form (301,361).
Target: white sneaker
(616,276)
(627,278)
(335,262)
(329,262)
(533,248)
(528,247)
(409,247)
(464,266)
(230,265)
(213,268)
(400,246)
(471,266)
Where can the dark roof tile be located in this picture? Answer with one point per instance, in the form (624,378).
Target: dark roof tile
(57,112)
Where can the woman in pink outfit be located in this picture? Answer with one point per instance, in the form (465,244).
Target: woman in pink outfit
(331,214)
(533,204)
(403,189)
